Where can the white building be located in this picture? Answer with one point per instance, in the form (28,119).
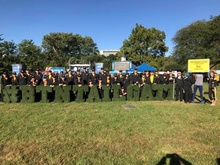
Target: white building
(107,52)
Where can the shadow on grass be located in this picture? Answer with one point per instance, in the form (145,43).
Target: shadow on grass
(218,161)
(173,159)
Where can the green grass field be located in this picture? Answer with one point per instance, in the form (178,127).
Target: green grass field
(107,133)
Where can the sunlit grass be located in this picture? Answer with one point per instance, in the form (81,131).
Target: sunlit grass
(106,133)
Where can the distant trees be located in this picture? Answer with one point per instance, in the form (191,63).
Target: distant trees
(30,55)
(200,39)
(144,42)
(56,50)
(59,47)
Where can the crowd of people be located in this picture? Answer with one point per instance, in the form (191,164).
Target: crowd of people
(183,84)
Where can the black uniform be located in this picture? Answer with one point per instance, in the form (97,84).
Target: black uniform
(5,80)
(38,78)
(114,80)
(22,80)
(85,78)
(14,80)
(50,80)
(212,85)
(120,78)
(170,77)
(94,78)
(126,81)
(179,88)
(69,79)
(164,80)
(135,78)
(103,76)
(187,86)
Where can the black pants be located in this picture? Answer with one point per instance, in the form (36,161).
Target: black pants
(188,94)
(179,93)
(212,94)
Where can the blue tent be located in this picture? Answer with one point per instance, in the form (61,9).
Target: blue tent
(132,69)
(144,66)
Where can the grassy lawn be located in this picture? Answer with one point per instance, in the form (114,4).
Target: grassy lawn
(107,133)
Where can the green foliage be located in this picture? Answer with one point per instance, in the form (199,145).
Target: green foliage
(84,93)
(133,93)
(63,93)
(93,95)
(27,94)
(106,93)
(30,55)
(200,39)
(44,93)
(144,42)
(59,47)
(146,93)
(115,93)
(8,50)
(80,92)
(11,94)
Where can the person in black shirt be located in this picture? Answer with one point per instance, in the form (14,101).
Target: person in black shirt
(135,77)
(102,75)
(115,80)
(187,86)
(126,81)
(179,86)
(28,76)
(32,81)
(38,77)
(5,79)
(22,80)
(164,79)
(93,77)
(157,78)
(69,78)
(50,78)
(120,77)
(85,76)
(14,79)
(212,88)
(62,81)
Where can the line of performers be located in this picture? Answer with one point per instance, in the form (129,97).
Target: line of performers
(103,78)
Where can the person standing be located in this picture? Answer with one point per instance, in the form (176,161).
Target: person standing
(85,76)
(212,88)
(198,85)
(14,79)
(179,86)
(38,77)
(22,79)
(187,86)
(135,77)
(5,81)
(93,77)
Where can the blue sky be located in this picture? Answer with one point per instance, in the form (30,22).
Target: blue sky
(107,22)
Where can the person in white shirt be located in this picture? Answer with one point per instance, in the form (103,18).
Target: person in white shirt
(198,85)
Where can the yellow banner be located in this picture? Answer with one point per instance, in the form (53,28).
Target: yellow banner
(198,65)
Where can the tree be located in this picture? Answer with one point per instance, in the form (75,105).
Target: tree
(200,39)
(8,56)
(88,46)
(60,47)
(30,55)
(144,42)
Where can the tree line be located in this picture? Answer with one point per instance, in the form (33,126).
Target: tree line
(201,39)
